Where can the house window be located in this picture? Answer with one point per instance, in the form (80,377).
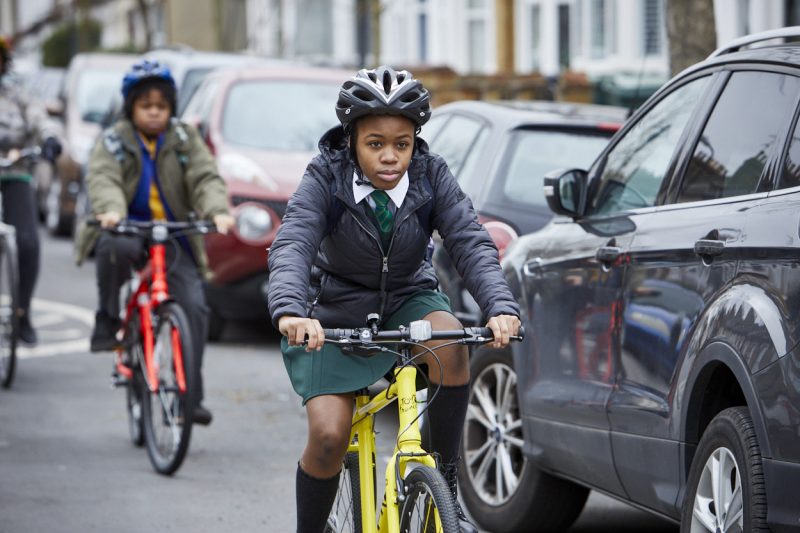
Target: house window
(653,26)
(422,31)
(563,36)
(476,35)
(536,36)
(598,28)
(743,16)
(792,13)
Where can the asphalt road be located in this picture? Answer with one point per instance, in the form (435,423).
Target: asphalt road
(67,464)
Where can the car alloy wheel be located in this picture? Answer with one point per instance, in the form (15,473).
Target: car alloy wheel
(718,502)
(493,435)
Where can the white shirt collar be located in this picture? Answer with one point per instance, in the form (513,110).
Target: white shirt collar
(397,194)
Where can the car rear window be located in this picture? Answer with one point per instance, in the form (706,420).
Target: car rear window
(279,115)
(96,92)
(534,153)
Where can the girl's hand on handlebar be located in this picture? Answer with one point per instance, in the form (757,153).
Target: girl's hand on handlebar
(503,327)
(296,329)
(108,220)
(224,222)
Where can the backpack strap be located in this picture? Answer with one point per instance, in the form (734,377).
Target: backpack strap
(113,144)
(183,137)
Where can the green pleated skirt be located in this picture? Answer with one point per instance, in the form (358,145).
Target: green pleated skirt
(330,371)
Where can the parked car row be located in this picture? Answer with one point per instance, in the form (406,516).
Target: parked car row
(661,364)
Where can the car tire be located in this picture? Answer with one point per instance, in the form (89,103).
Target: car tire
(536,500)
(728,451)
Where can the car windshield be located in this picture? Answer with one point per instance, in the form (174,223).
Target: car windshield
(279,115)
(534,153)
(97,91)
(191,81)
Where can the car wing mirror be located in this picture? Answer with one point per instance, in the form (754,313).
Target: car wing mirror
(565,191)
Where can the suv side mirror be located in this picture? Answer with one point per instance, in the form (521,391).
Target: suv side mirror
(565,191)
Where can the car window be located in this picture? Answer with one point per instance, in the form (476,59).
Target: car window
(431,129)
(455,141)
(290,115)
(534,153)
(191,81)
(96,91)
(745,123)
(791,173)
(200,105)
(636,166)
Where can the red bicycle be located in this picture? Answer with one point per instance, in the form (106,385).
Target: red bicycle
(155,363)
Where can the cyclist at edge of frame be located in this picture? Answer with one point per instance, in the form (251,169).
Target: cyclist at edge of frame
(151,166)
(23,122)
(355,240)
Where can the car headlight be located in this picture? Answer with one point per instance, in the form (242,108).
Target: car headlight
(253,222)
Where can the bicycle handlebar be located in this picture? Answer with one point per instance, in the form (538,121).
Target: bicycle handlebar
(15,156)
(158,230)
(418,331)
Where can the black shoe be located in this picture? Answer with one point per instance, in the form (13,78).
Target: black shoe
(104,335)
(450,473)
(25,331)
(202,415)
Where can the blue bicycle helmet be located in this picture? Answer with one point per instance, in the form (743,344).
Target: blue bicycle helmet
(145,70)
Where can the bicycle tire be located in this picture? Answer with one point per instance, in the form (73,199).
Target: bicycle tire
(345,514)
(425,491)
(9,302)
(133,392)
(168,412)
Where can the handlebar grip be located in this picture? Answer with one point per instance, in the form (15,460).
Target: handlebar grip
(487,333)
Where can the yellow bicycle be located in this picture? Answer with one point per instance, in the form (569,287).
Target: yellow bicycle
(416,497)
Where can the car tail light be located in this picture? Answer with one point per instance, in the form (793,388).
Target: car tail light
(501,233)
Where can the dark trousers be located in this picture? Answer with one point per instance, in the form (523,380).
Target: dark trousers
(116,255)
(19,210)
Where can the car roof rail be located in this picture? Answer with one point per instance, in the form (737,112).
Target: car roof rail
(747,40)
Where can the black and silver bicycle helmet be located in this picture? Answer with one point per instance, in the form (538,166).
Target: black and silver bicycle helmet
(383,91)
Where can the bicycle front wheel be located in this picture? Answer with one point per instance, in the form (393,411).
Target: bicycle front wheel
(9,319)
(167,412)
(427,495)
(345,515)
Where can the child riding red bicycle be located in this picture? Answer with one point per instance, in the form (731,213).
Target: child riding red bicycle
(151,166)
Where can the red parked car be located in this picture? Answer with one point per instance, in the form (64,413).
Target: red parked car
(263,125)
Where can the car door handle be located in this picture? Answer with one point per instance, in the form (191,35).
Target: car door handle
(709,247)
(608,254)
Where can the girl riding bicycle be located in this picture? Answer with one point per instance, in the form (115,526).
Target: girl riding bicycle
(354,240)
(150,166)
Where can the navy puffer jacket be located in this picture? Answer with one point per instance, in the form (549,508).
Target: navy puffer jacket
(338,271)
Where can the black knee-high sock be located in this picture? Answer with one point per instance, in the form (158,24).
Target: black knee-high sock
(446,416)
(314,498)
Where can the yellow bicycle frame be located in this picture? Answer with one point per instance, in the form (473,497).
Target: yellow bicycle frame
(408,449)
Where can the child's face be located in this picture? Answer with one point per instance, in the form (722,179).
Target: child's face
(151,113)
(384,144)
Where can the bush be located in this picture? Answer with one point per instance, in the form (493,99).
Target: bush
(69,39)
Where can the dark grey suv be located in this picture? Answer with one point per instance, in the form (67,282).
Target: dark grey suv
(662,362)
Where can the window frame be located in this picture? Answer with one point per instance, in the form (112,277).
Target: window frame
(465,182)
(770,174)
(689,136)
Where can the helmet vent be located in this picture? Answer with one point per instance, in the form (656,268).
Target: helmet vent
(363,95)
(387,82)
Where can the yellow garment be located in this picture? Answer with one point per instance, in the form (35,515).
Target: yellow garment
(156,205)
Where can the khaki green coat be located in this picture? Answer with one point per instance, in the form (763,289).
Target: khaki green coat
(187,175)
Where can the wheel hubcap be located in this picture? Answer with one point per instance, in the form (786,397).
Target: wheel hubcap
(493,435)
(718,503)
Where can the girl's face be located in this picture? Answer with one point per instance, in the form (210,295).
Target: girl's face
(151,113)
(384,144)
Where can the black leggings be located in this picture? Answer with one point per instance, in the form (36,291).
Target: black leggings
(19,210)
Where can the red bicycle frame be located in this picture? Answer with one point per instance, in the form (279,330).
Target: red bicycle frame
(151,291)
